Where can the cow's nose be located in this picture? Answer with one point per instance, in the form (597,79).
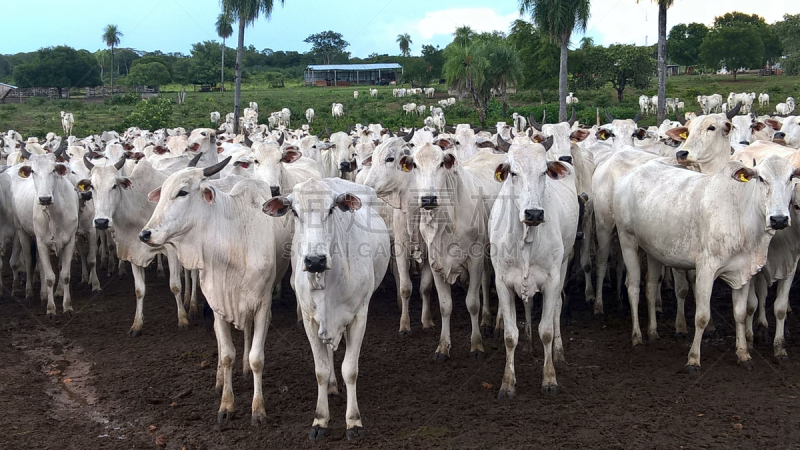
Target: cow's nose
(316,263)
(144,235)
(566,159)
(778,222)
(428,201)
(779,135)
(275,190)
(744,142)
(101,224)
(345,166)
(45,200)
(683,154)
(534,216)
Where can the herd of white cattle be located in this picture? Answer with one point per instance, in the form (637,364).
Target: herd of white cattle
(713,197)
(717,104)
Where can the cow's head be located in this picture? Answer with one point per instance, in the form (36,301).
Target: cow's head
(268,164)
(202,139)
(386,175)
(342,152)
(705,142)
(791,131)
(433,170)
(774,179)
(105,185)
(743,128)
(46,174)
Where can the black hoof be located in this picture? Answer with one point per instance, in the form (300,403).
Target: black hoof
(70,313)
(225,416)
(748,365)
(356,433)
(258,420)
(781,359)
(317,433)
(431,329)
(440,357)
(51,316)
(680,336)
(506,395)
(134,333)
(550,390)
(184,327)
(691,369)
(477,355)
(402,334)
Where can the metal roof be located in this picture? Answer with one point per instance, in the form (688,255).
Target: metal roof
(355,66)
(8,85)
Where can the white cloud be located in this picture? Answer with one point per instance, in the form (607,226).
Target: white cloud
(479,19)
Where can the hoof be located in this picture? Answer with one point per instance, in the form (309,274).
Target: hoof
(69,313)
(356,433)
(551,390)
(183,326)
(506,395)
(402,334)
(748,365)
(134,333)
(225,416)
(680,336)
(317,433)
(440,357)
(477,355)
(691,369)
(51,316)
(779,359)
(258,420)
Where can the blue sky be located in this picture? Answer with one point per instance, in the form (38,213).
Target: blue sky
(369,26)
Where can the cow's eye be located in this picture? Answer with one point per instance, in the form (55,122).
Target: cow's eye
(712,128)
(113,187)
(182,193)
(513,174)
(761,179)
(390,159)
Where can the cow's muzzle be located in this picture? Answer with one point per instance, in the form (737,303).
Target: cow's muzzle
(346,166)
(566,159)
(533,217)
(429,201)
(144,236)
(315,263)
(778,222)
(101,224)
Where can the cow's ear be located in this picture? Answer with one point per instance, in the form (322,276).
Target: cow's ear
(125,183)
(557,170)
(579,135)
(159,150)
(640,133)
(155,195)
(445,144)
(406,163)
(61,169)
(276,206)
(348,202)
(603,134)
(220,150)
(744,175)
(758,126)
(291,154)
(501,172)
(25,171)
(774,124)
(728,128)
(538,138)
(85,185)
(367,161)
(449,161)
(209,194)
(679,134)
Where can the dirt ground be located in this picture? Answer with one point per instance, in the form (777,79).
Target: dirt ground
(81,383)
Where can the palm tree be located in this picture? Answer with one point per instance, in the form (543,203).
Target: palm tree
(405,42)
(557,18)
(111,37)
(245,12)
(464,35)
(662,57)
(224,30)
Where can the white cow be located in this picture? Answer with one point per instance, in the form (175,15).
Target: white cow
(241,255)
(254,106)
(410,108)
(420,110)
(337,110)
(373,92)
(644,104)
(355,95)
(571,100)
(763,99)
(286,117)
(67,121)
(215,117)
(337,234)
(520,124)
(710,103)
(784,109)
(310,115)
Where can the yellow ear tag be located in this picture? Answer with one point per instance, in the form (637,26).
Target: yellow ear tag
(82,187)
(499,176)
(406,168)
(742,178)
(684,135)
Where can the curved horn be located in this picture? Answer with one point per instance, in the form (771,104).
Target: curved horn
(280,139)
(120,163)
(390,132)
(24,151)
(87,162)
(502,144)
(327,131)
(638,117)
(534,123)
(548,143)
(732,113)
(61,152)
(208,171)
(572,119)
(449,129)
(247,142)
(408,137)
(681,118)
(195,160)
(477,130)
(349,129)
(609,117)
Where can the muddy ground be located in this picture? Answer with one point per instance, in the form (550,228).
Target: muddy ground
(81,383)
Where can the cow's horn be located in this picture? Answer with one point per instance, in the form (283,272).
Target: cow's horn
(280,139)
(548,143)
(120,163)
(24,151)
(609,117)
(195,160)
(409,136)
(208,171)
(87,162)
(534,123)
(732,113)
(571,120)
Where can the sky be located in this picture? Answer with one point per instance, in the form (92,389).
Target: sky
(369,26)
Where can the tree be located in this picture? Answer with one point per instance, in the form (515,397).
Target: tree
(245,12)
(405,43)
(788,31)
(111,37)
(327,44)
(151,74)
(557,19)
(58,67)
(622,65)
(538,56)
(663,5)
(464,35)
(734,48)
(683,43)
(224,27)
(772,44)
(434,59)
(416,71)
(204,68)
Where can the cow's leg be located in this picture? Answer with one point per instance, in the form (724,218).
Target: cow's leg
(104,253)
(405,287)
(425,287)
(653,289)
(446,308)
(476,269)
(702,294)
(527,304)
(630,255)
(175,287)
(551,295)
(780,307)
(323,366)
(511,334)
(82,251)
(27,260)
(194,305)
(740,307)
(187,280)
(65,258)
(139,289)
(48,278)
(603,232)
(354,337)
(486,312)
(159,266)
(248,343)
(586,256)
(558,345)
(92,260)
(227,355)
(760,290)
(122,268)
(256,354)
(681,285)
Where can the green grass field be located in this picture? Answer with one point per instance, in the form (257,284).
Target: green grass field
(37,117)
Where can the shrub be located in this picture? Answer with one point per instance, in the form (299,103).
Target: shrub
(36,101)
(152,114)
(130,98)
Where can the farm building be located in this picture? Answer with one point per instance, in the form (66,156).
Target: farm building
(347,74)
(5,89)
